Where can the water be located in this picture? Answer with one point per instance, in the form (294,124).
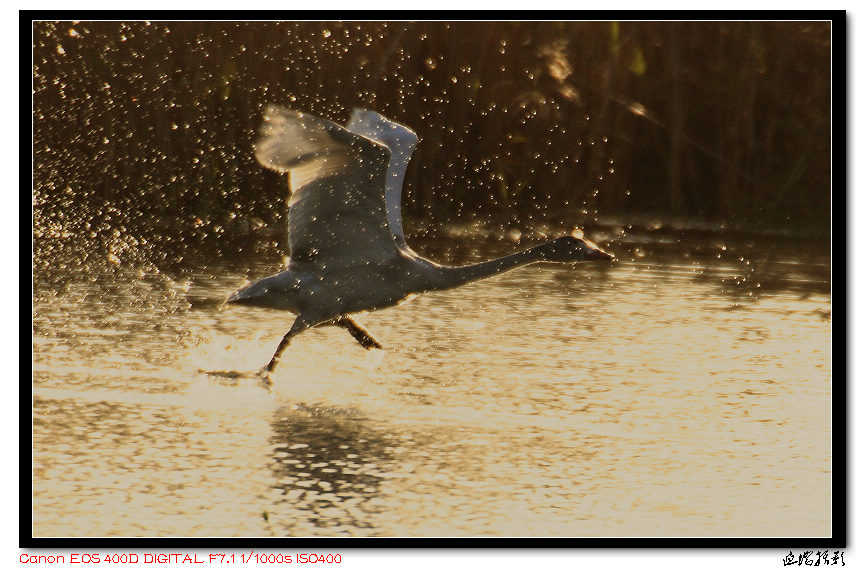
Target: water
(682,391)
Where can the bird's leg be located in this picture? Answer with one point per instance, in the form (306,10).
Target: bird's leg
(286,339)
(360,334)
(298,326)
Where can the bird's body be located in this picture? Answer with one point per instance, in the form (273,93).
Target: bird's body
(348,250)
(338,291)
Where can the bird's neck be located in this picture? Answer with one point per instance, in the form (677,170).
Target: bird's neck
(453,276)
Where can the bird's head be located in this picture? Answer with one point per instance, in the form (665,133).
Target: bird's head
(571,248)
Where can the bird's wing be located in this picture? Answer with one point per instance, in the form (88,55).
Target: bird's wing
(337,213)
(401,140)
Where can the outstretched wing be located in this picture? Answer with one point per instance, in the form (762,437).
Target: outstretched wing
(401,140)
(337,213)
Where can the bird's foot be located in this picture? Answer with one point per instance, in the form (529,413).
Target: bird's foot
(264,376)
(234,375)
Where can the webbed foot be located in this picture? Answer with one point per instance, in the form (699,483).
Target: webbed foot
(264,376)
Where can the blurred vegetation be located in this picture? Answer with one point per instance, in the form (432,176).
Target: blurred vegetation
(143,131)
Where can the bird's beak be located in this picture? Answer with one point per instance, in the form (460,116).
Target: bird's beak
(598,254)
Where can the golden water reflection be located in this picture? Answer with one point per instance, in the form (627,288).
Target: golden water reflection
(654,397)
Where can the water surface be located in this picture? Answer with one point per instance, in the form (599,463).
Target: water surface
(682,391)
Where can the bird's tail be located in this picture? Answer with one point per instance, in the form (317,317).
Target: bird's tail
(245,293)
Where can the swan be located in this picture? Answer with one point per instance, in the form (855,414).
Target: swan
(348,252)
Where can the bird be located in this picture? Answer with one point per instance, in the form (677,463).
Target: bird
(347,248)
